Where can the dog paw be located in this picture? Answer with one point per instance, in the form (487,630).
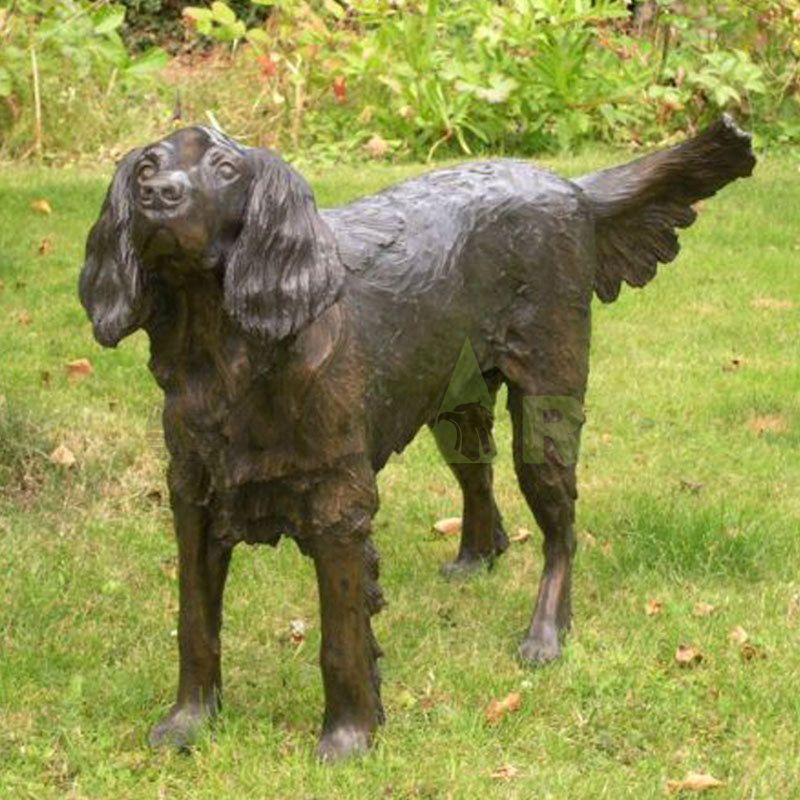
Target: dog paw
(180,728)
(540,649)
(501,542)
(465,567)
(343,742)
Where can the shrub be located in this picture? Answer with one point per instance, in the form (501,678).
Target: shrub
(65,76)
(402,78)
(440,77)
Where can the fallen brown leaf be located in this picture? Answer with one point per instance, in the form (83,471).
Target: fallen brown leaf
(498,709)
(691,486)
(376,147)
(24,317)
(653,608)
(771,303)
(793,607)
(449,526)
(169,566)
(694,782)
(62,456)
(41,207)
(768,423)
(45,246)
(750,651)
(297,632)
(522,535)
(733,364)
(505,773)
(702,609)
(738,635)
(688,656)
(78,369)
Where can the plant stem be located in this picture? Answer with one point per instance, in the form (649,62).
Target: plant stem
(37,105)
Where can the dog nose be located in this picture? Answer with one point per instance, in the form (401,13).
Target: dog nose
(163,191)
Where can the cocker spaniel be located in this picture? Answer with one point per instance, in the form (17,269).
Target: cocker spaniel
(298,348)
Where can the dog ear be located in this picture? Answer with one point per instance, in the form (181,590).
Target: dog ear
(284,269)
(111,282)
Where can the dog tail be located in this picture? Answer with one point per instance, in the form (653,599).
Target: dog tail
(638,206)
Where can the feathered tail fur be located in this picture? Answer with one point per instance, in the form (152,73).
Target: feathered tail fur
(638,206)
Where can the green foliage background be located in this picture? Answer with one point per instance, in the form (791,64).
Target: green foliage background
(398,79)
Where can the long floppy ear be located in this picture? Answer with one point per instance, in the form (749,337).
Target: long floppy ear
(111,285)
(284,269)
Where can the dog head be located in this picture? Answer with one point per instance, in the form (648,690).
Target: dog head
(197,202)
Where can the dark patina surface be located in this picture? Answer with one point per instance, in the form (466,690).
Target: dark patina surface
(297,349)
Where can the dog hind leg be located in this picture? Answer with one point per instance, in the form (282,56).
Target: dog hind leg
(483,536)
(548,486)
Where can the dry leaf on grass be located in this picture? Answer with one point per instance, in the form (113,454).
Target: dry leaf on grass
(169,566)
(78,369)
(45,246)
(297,632)
(24,317)
(751,652)
(702,609)
(733,364)
(449,526)
(653,608)
(688,656)
(767,423)
(738,635)
(793,606)
(772,303)
(505,773)
(694,782)
(691,486)
(41,207)
(522,535)
(498,709)
(62,456)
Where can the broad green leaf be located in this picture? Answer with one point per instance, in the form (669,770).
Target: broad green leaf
(108,18)
(257,36)
(198,14)
(154,59)
(332,7)
(6,86)
(223,13)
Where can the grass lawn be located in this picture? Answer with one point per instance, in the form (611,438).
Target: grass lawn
(689,480)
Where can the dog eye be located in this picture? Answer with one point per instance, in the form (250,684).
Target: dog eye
(226,170)
(146,171)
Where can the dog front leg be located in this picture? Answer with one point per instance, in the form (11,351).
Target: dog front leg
(202,568)
(347,574)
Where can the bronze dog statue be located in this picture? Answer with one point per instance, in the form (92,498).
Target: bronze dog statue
(298,348)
